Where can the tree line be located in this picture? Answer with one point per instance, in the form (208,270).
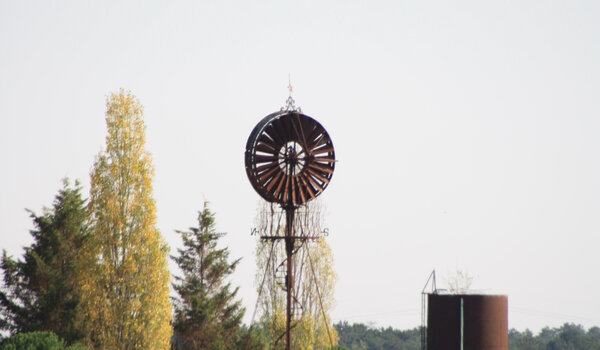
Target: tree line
(569,336)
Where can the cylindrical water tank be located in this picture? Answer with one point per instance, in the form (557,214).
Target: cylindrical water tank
(467,322)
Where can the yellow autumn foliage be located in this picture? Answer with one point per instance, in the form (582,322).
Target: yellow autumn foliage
(125,297)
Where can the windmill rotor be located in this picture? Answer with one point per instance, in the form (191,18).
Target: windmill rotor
(289,158)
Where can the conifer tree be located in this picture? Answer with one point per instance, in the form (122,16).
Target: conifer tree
(207,316)
(126,289)
(41,292)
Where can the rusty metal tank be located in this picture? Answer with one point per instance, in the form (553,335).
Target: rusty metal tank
(467,322)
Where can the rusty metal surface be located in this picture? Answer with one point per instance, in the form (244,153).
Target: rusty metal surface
(289,158)
(483,320)
(443,322)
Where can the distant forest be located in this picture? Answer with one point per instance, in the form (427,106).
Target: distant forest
(358,336)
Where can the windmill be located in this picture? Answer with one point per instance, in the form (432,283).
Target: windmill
(289,161)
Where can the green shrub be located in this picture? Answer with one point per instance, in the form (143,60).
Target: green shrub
(37,341)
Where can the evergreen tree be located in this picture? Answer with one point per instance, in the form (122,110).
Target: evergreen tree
(126,290)
(41,292)
(207,316)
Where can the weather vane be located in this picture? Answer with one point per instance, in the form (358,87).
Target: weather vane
(290,104)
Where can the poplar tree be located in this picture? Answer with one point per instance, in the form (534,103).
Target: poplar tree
(207,316)
(126,290)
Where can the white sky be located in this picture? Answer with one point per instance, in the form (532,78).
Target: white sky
(466,133)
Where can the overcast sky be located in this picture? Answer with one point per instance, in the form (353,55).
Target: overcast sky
(466,133)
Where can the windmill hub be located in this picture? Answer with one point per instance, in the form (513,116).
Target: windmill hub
(291,161)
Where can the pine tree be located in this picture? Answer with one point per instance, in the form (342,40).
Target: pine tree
(126,289)
(206,314)
(41,292)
